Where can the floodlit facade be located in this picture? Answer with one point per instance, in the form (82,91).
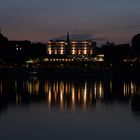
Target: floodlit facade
(68,47)
(56,47)
(82,47)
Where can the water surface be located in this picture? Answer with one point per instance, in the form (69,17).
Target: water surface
(69,108)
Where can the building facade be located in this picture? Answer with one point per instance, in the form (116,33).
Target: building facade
(68,47)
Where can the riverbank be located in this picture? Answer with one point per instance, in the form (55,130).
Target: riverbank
(70,71)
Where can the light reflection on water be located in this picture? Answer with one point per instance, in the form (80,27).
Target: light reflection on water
(68,93)
(106,106)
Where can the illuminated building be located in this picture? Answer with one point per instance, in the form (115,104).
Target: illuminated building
(73,47)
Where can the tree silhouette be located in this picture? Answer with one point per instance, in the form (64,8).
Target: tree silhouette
(4,44)
(136,44)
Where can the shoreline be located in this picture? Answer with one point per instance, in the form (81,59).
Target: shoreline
(68,72)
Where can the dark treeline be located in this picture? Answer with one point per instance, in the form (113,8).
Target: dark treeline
(122,54)
(115,53)
(18,52)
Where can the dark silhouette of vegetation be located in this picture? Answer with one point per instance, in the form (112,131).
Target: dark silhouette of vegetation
(120,56)
(17,52)
(136,45)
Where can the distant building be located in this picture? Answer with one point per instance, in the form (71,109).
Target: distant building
(74,47)
(3,39)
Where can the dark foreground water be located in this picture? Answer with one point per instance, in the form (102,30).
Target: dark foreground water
(67,108)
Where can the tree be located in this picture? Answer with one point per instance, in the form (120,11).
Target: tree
(136,44)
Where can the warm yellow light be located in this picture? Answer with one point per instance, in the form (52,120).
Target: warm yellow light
(126,89)
(29,61)
(133,88)
(49,51)
(36,87)
(95,90)
(91,52)
(85,51)
(73,42)
(85,97)
(73,51)
(101,92)
(79,96)
(61,51)
(49,98)
(79,52)
(29,87)
(46,87)
(73,94)
(100,59)
(46,59)
(55,51)
(61,97)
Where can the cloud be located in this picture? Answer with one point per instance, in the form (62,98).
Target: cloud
(85,36)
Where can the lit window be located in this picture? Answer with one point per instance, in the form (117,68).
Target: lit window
(49,50)
(62,51)
(55,51)
(73,52)
(85,51)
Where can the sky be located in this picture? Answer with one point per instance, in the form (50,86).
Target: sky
(41,20)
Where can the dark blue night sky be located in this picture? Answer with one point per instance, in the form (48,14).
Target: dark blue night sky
(41,20)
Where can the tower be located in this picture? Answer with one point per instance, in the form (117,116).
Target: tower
(67,50)
(68,38)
